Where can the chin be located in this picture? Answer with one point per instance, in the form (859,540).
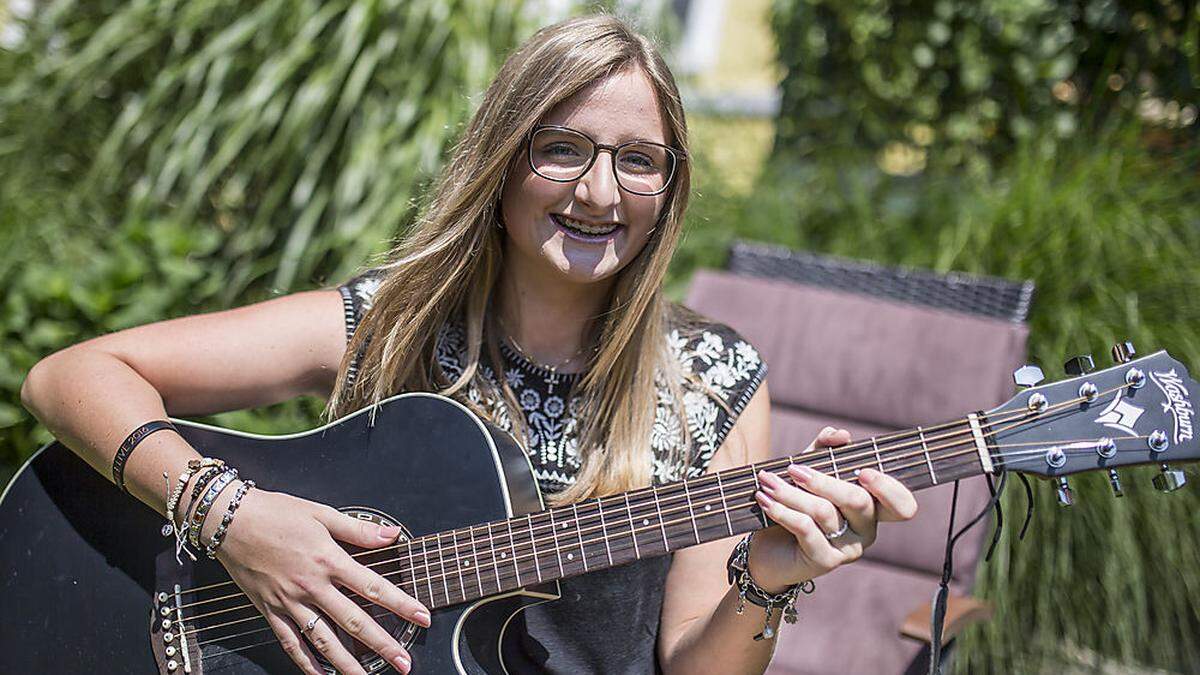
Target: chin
(576,267)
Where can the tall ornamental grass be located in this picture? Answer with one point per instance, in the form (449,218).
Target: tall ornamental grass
(165,157)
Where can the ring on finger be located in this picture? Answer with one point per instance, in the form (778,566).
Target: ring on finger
(845,527)
(312,623)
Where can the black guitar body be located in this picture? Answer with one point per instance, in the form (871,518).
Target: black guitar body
(83,566)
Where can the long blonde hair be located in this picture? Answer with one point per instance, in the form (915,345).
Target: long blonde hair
(446,266)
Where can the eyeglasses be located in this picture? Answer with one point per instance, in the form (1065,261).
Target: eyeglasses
(562,154)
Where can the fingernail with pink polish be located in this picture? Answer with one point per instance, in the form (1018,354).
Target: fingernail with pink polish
(768,479)
(422,617)
(388,532)
(763,499)
(802,473)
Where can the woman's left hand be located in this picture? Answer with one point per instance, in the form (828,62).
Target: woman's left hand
(812,505)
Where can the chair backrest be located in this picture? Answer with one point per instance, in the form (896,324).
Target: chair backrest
(957,291)
(875,364)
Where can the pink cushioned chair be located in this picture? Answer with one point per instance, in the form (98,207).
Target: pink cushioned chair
(874,349)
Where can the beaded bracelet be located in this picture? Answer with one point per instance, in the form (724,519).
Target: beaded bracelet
(131,441)
(193,466)
(739,575)
(203,479)
(206,502)
(219,535)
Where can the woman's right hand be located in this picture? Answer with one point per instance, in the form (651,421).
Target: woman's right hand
(281,551)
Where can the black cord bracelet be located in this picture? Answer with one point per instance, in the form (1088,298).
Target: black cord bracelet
(131,442)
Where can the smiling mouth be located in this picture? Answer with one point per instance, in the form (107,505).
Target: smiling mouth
(584,229)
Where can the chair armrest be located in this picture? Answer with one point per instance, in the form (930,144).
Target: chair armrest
(960,613)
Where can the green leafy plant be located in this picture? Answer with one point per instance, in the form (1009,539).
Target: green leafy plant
(961,81)
(1107,230)
(166,158)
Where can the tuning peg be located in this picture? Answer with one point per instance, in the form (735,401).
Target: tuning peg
(1063,490)
(1114,480)
(1123,352)
(1028,376)
(1079,365)
(1169,480)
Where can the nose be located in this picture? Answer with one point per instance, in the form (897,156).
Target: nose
(598,187)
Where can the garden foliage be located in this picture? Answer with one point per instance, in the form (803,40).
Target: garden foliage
(164,158)
(963,80)
(1076,124)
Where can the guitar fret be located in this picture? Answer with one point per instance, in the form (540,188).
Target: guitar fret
(495,558)
(724,504)
(428,569)
(878,457)
(579,533)
(687,495)
(537,566)
(632,527)
(557,549)
(458,562)
(762,517)
(512,543)
(604,530)
(833,460)
(475,564)
(661,526)
(925,449)
(442,562)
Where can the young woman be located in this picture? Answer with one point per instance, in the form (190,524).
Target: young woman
(530,290)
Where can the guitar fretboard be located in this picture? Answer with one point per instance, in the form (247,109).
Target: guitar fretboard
(460,565)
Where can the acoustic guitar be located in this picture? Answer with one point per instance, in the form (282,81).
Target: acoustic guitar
(90,584)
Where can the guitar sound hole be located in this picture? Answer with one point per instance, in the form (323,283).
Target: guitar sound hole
(383,562)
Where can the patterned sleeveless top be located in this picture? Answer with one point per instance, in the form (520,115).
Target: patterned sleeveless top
(606,622)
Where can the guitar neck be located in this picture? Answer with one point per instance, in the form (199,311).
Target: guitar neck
(460,565)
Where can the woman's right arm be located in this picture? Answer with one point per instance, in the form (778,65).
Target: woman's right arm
(280,549)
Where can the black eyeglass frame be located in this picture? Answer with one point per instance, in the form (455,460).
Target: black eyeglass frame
(613,150)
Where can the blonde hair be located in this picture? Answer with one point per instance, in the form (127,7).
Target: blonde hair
(445,268)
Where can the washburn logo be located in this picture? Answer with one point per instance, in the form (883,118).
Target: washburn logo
(1177,403)
(1120,415)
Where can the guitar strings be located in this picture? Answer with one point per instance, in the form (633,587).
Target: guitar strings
(445,576)
(385,612)
(642,491)
(525,556)
(558,549)
(868,443)
(226,638)
(542,528)
(462,585)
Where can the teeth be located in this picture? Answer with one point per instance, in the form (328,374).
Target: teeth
(582,227)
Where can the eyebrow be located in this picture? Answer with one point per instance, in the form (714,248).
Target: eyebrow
(623,139)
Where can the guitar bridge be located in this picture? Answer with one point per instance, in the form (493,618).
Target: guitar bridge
(173,650)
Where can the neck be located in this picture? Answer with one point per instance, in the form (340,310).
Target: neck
(549,317)
(447,568)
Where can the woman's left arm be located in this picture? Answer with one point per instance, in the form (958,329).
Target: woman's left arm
(700,629)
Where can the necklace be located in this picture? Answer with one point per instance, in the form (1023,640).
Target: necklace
(525,355)
(553,369)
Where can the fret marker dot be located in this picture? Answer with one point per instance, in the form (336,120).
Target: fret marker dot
(564,526)
(645,521)
(466,563)
(856,472)
(570,556)
(708,507)
(503,555)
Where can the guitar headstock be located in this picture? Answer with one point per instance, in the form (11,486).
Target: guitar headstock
(1139,411)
